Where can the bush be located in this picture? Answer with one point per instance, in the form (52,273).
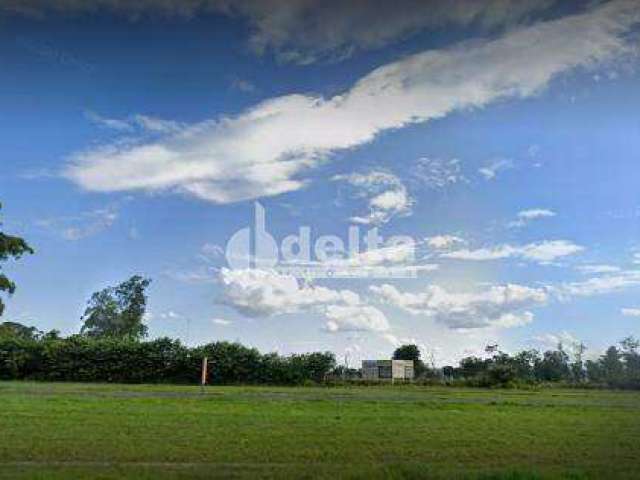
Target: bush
(84,359)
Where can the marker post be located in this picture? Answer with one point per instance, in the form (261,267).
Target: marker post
(203,379)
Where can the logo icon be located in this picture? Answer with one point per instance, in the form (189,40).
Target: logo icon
(253,248)
(327,257)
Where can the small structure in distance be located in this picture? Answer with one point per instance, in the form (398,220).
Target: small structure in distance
(387,370)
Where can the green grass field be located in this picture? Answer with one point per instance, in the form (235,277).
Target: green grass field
(114,431)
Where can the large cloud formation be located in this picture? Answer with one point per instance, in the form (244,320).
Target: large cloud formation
(268,149)
(500,306)
(262,293)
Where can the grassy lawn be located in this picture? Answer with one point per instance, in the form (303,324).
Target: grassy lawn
(115,431)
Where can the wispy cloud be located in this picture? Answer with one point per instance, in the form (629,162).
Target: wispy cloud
(171,315)
(552,340)
(243,85)
(526,216)
(221,321)
(84,225)
(543,252)
(595,269)
(139,123)
(437,173)
(443,242)
(386,195)
(490,171)
(599,285)
(274,144)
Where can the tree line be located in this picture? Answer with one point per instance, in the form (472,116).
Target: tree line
(28,354)
(618,367)
(111,348)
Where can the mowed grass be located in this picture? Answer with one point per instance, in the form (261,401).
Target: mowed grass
(117,431)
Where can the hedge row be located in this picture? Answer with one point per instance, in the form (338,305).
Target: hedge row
(164,360)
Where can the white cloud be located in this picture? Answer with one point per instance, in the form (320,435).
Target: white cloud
(387,196)
(438,173)
(490,171)
(599,285)
(261,293)
(171,315)
(443,242)
(154,124)
(543,252)
(535,213)
(596,269)
(390,255)
(221,322)
(526,216)
(550,341)
(500,306)
(268,149)
(636,258)
(199,275)
(399,258)
(630,312)
(111,123)
(84,225)
(141,123)
(211,251)
(355,318)
(243,85)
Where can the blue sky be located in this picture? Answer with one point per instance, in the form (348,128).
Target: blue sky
(503,137)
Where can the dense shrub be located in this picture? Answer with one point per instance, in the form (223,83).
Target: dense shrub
(84,359)
(33,355)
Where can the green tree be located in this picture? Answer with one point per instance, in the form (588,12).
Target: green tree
(612,366)
(525,363)
(18,330)
(471,367)
(118,311)
(410,352)
(554,366)
(10,247)
(578,371)
(631,356)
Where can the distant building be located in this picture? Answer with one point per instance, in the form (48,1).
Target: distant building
(387,370)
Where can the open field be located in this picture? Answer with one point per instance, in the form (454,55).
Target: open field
(114,431)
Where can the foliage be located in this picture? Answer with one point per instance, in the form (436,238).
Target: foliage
(125,360)
(26,353)
(10,247)
(118,311)
(15,329)
(617,368)
(411,352)
(553,367)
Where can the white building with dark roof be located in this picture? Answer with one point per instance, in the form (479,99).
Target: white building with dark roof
(387,370)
